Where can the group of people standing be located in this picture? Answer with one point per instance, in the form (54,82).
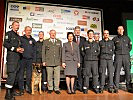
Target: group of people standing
(79,57)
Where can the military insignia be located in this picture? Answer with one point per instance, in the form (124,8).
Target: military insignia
(117,42)
(6,37)
(87,47)
(57,44)
(82,48)
(30,42)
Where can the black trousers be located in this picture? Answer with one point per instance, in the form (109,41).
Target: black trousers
(90,66)
(122,60)
(25,64)
(106,64)
(12,69)
(79,79)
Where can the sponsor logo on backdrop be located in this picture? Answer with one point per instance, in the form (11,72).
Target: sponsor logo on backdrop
(48,20)
(83,23)
(59,33)
(35,31)
(41,9)
(85,17)
(95,19)
(36,14)
(31,19)
(65,23)
(76,12)
(37,25)
(69,28)
(58,17)
(93,26)
(39,15)
(51,11)
(14,7)
(89,12)
(26,8)
(15,19)
(63,11)
(84,29)
(32,14)
(96,33)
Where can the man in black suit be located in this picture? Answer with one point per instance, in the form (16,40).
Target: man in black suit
(79,40)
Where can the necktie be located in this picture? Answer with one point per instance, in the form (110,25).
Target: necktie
(52,40)
(77,40)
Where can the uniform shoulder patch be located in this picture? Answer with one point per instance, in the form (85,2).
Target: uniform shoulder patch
(6,37)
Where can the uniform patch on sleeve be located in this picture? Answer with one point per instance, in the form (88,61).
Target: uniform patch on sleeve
(6,37)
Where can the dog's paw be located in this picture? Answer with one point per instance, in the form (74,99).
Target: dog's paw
(32,93)
(40,93)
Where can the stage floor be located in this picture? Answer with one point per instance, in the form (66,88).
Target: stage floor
(122,95)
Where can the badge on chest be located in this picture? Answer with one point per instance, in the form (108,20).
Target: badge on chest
(30,42)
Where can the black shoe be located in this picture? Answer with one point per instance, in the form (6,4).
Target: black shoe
(22,92)
(81,90)
(50,91)
(44,88)
(16,93)
(85,91)
(57,92)
(110,90)
(115,90)
(29,91)
(73,92)
(101,90)
(96,90)
(8,95)
(69,91)
(130,90)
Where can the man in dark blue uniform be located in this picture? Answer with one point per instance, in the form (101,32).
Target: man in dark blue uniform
(12,43)
(28,57)
(79,40)
(123,46)
(106,61)
(91,52)
(39,45)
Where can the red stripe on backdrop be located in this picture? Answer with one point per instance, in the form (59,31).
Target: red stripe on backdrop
(2,13)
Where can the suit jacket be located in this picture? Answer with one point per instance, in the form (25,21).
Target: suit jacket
(82,40)
(51,52)
(70,55)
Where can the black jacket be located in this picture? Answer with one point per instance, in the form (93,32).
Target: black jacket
(39,45)
(122,44)
(29,45)
(82,40)
(12,42)
(91,51)
(106,49)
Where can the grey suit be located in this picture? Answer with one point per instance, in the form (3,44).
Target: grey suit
(70,56)
(51,55)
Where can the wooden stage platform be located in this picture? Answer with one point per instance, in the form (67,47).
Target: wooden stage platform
(122,95)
